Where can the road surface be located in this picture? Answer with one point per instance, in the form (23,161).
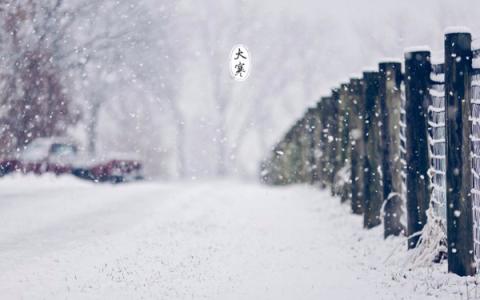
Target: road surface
(65,238)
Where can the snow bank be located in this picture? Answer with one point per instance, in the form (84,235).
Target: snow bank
(35,181)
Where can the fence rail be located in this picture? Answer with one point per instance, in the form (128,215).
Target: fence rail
(402,147)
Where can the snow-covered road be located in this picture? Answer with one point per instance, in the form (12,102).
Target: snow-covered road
(64,238)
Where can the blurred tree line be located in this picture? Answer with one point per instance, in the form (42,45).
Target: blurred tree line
(150,77)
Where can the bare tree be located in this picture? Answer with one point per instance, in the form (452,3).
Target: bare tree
(35,97)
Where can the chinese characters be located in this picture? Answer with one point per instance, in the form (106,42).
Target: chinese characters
(240,63)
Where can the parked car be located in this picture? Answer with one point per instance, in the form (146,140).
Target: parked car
(113,170)
(61,156)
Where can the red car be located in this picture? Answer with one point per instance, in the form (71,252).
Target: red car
(61,156)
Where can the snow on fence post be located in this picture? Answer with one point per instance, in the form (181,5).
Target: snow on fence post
(357,144)
(390,103)
(458,69)
(373,191)
(417,81)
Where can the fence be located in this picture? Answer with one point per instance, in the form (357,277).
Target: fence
(403,148)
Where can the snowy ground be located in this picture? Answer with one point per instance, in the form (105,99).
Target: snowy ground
(64,238)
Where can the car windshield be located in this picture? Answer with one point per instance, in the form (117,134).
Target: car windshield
(62,150)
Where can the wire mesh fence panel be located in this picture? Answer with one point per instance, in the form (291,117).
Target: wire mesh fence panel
(436,122)
(475,155)
(403,152)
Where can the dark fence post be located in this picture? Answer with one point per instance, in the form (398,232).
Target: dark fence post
(357,112)
(315,140)
(390,103)
(373,191)
(322,142)
(333,136)
(304,144)
(310,131)
(458,69)
(345,147)
(417,81)
(300,157)
(292,157)
(328,113)
(278,167)
(288,161)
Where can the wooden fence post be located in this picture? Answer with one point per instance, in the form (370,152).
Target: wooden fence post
(417,81)
(458,69)
(357,112)
(291,157)
(317,144)
(322,143)
(278,167)
(333,136)
(310,132)
(345,148)
(338,135)
(373,191)
(331,140)
(299,157)
(289,160)
(328,115)
(390,102)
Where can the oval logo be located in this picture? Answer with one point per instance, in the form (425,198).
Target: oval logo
(240,63)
